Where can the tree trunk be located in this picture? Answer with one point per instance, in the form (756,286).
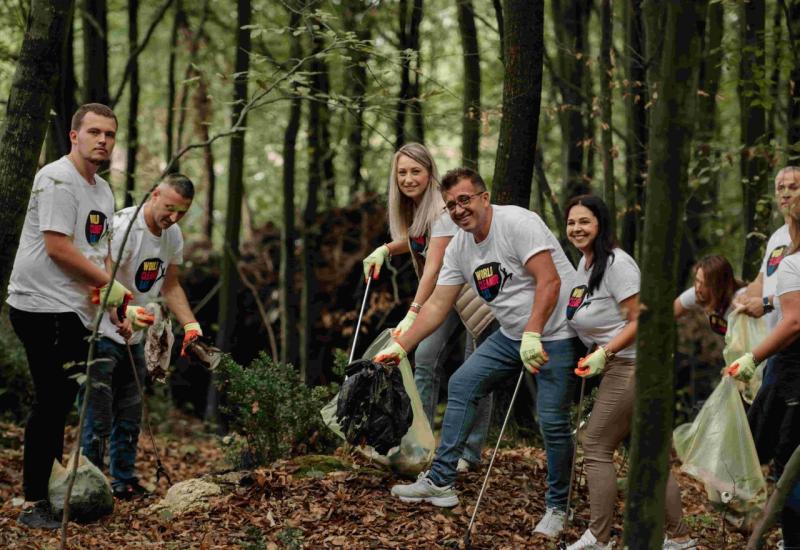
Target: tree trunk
(776,502)
(498,13)
(169,139)
(203,115)
(793,126)
(408,96)
(415,106)
(607,142)
(133,103)
(757,199)
(522,94)
(636,97)
(64,103)
(676,71)
(471,106)
(26,120)
(95,52)
(775,76)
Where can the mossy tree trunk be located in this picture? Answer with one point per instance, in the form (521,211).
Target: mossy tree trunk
(133,102)
(793,115)
(675,74)
(95,52)
(64,102)
(606,139)
(471,105)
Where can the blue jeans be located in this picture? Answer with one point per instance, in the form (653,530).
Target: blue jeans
(429,360)
(494,362)
(115,410)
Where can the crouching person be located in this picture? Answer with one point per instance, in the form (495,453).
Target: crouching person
(520,270)
(149,267)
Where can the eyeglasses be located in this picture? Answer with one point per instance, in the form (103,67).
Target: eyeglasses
(462,201)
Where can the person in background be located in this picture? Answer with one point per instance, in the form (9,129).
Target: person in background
(603,310)
(420,225)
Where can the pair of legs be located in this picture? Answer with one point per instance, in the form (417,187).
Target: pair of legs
(494,362)
(429,359)
(51,340)
(609,425)
(114,411)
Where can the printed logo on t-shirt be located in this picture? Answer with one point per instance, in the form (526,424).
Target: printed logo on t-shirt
(774,259)
(95,226)
(577,299)
(418,244)
(718,323)
(150,271)
(490,279)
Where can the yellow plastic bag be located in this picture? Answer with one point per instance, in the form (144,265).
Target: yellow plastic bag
(744,334)
(718,449)
(415,452)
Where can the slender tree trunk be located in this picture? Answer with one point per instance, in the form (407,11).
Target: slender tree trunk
(498,13)
(471,106)
(203,115)
(793,125)
(755,183)
(405,78)
(415,105)
(191,72)
(606,81)
(775,75)
(169,139)
(26,120)
(636,97)
(95,52)
(64,103)
(676,71)
(408,101)
(776,502)
(522,94)
(133,103)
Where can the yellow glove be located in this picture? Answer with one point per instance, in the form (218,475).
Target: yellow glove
(390,355)
(117,296)
(593,364)
(404,325)
(375,261)
(743,368)
(139,316)
(531,352)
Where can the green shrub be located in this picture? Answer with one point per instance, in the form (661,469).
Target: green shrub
(271,412)
(16,388)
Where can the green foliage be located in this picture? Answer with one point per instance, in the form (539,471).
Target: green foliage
(16,389)
(271,413)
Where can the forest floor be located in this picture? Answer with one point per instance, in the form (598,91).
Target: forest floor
(289,505)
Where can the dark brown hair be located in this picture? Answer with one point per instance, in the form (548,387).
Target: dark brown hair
(96,108)
(452,177)
(719,280)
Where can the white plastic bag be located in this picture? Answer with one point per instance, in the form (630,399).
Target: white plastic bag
(745,333)
(415,452)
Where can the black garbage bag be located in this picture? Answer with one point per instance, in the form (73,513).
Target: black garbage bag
(373,407)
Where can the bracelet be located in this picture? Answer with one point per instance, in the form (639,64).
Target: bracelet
(415,307)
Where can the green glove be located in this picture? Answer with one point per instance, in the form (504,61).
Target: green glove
(593,364)
(404,325)
(117,296)
(390,355)
(743,368)
(531,352)
(375,261)
(139,316)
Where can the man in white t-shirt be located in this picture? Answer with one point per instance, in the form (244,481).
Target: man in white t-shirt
(148,266)
(519,269)
(59,270)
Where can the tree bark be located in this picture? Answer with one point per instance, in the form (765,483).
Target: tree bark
(498,13)
(408,96)
(522,94)
(757,199)
(776,502)
(793,126)
(133,103)
(203,116)
(670,136)
(95,52)
(415,106)
(607,140)
(471,106)
(64,102)
(26,120)
(178,23)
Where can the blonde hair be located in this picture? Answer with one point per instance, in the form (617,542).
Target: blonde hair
(784,170)
(406,217)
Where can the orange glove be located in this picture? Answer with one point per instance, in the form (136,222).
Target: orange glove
(191,332)
(139,316)
(118,295)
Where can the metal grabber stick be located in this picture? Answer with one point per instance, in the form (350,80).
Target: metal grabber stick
(491,462)
(360,315)
(562,543)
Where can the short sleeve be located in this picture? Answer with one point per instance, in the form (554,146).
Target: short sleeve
(529,235)
(688,299)
(120,226)
(176,247)
(443,226)
(789,275)
(622,277)
(57,205)
(451,273)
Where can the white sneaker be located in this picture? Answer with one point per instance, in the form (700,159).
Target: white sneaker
(424,490)
(589,542)
(463,466)
(552,523)
(670,544)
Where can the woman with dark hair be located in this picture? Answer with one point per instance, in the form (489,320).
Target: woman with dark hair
(604,309)
(713,292)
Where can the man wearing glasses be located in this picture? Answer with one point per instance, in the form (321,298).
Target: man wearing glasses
(518,267)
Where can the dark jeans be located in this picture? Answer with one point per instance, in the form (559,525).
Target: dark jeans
(115,410)
(50,340)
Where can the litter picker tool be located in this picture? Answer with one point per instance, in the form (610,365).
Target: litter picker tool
(491,462)
(562,543)
(360,315)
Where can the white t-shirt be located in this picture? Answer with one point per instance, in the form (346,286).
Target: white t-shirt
(788,280)
(64,202)
(779,242)
(144,262)
(597,317)
(443,226)
(496,266)
(717,322)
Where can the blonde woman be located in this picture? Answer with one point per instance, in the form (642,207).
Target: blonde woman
(420,225)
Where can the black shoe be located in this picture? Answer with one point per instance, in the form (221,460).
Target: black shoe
(129,491)
(39,516)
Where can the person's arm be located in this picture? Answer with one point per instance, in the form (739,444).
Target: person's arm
(626,337)
(65,254)
(397,247)
(433,263)
(175,297)
(678,309)
(785,332)
(548,285)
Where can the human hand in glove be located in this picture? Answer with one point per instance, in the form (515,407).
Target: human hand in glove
(593,364)
(390,355)
(191,332)
(139,317)
(531,352)
(743,368)
(117,296)
(405,324)
(375,261)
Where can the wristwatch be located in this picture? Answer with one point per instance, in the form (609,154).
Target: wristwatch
(768,308)
(609,354)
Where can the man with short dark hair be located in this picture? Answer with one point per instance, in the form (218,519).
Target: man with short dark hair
(520,270)
(59,274)
(148,266)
